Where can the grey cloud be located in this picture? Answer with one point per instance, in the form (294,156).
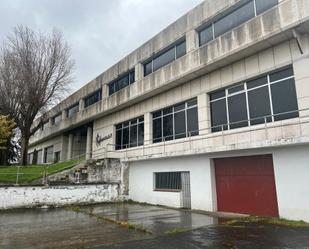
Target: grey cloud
(100,32)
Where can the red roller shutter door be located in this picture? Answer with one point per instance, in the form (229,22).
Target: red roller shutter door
(246,185)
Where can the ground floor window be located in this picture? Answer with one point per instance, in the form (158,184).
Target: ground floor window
(269,98)
(130,134)
(49,154)
(175,122)
(170,181)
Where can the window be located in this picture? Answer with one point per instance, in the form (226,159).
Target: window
(168,181)
(234,18)
(93,98)
(72,110)
(175,122)
(57,119)
(130,134)
(162,59)
(122,82)
(265,99)
(49,154)
(45,125)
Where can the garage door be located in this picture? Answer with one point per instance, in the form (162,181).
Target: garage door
(246,185)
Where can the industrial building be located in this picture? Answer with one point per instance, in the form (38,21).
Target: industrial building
(212,113)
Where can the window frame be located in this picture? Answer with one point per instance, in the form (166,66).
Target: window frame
(92,95)
(159,189)
(229,11)
(269,118)
(113,83)
(76,105)
(127,125)
(172,113)
(174,46)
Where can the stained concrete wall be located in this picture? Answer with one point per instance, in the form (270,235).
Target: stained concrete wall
(19,197)
(141,186)
(291,178)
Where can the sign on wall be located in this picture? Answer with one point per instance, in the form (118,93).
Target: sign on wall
(99,139)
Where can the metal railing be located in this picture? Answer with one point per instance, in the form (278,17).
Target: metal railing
(266,123)
(34,174)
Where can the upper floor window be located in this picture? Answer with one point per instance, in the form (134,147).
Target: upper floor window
(175,122)
(130,133)
(121,82)
(266,99)
(45,125)
(170,54)
(233,18)
(93,98)
(73,110)
(56,119)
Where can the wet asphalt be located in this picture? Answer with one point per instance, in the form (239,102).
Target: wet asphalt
(168,229)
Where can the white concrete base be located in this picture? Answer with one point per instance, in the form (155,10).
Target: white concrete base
(291,167)
(19,197)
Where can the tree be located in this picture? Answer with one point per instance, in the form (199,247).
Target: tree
(35,71)
(6,127)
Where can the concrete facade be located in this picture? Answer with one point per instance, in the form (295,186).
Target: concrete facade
(272,40)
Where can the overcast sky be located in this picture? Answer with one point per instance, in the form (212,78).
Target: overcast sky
(100,32)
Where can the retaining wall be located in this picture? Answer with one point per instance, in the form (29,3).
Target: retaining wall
(21,197)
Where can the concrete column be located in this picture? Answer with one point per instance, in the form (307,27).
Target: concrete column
(191,40)
(70,146)
(81,104)
(89,143)
(139,71)
(148,128)
(63,115)
(203,113)
(105,91)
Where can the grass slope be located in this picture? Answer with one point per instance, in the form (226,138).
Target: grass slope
(31,173)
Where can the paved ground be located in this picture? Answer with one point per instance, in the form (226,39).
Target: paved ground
(61,228)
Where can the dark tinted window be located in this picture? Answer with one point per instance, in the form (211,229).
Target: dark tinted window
(263,5)
(148,68)
(281,74)
(157,130)
(233,109)
(181,49)
(92,99)
(168,181)
(130,134)
(236,89)
(238,111)
(259,105)
(168,127)
(234,19)
(73,110)
(180,124)
(192,122)
(162,59)
(122,82)
(218,115)
(257,82)
(284,99)
(178,121)
(206,35)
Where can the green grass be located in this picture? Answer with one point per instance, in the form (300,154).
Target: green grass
(31,173)
(269,220)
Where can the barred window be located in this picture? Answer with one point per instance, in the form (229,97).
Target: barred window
(168,181)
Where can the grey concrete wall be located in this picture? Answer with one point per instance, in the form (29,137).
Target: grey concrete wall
(268,29)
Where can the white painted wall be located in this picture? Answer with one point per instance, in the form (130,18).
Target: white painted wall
(141,181)
(18,197)
(291,167)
